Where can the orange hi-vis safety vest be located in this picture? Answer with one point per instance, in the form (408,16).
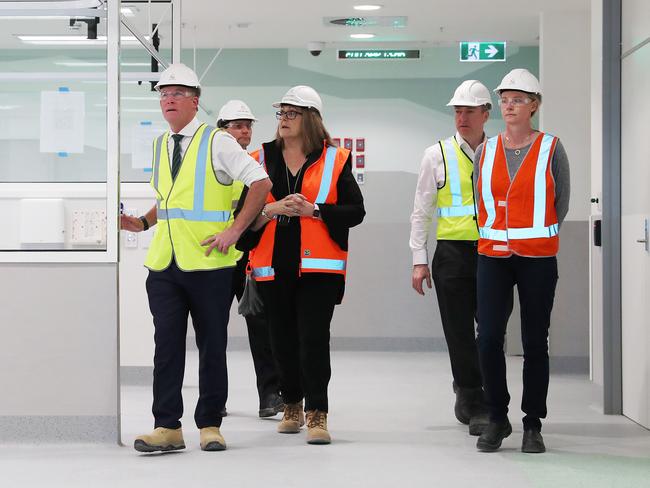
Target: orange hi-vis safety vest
(518,216)
(318,251)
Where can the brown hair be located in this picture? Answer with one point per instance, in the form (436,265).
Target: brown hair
(313,132)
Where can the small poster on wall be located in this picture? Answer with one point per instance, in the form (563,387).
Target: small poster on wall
(347,143)
(361,176)
(63,122)
(360,161)
(336,141)
(361,144)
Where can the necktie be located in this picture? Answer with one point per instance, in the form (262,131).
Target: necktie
(176,155)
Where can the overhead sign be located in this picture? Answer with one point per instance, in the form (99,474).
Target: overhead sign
(472,52)
(379,54)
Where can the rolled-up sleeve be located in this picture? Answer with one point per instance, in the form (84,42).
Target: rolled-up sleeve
(231,162)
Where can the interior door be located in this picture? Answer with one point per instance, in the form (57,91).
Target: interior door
(635,215)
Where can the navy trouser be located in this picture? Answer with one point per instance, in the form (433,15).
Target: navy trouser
(454,275)
(535,279)
(205,295)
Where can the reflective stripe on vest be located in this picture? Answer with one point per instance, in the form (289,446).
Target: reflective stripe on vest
(326,180)
(490,149)
(331,264)
(263,272)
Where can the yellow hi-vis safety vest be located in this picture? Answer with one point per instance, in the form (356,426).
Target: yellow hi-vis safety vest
(190,208)
(456,212)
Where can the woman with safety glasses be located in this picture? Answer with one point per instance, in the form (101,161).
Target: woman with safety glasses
(300,260)
(522,192)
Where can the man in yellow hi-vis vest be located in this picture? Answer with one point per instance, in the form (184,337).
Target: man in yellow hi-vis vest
(236,118)
(445,182)
(192,257)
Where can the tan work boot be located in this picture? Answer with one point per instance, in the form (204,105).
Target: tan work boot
(317,427)
(212,440)
(293,419)
(161,439)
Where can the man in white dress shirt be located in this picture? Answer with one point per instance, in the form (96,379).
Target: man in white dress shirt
(445,191)
(191,257)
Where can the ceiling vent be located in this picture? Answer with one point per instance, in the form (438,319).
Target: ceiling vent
(374,21)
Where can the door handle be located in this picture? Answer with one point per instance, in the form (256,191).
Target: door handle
(645,240)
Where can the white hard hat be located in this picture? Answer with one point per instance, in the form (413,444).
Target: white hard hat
(235,110)
(301,96)
(520,79)
(178,74)
(471,93)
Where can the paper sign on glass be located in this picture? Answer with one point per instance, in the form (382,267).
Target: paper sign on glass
(63,119)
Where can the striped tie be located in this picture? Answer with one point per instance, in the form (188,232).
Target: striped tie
(176,155)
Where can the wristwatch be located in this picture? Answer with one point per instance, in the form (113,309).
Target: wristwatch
(145,223)
(316,212)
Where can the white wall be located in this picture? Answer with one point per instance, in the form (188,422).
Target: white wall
(565,77)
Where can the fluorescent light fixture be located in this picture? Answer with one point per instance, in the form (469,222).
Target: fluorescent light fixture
(9,107)
(362,36)
(88,64)
(367,7)
(49,5)
(40,17)
(72,40)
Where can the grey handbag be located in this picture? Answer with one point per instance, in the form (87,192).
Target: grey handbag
(251,301)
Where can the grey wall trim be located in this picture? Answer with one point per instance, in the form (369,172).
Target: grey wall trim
(52,429)
(612,347)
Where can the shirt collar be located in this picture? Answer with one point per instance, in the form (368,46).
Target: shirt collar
(189,129)
(464,144)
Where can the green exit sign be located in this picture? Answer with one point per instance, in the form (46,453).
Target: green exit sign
(473,52)
(379,54)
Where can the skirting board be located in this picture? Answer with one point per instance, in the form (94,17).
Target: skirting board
(56,429)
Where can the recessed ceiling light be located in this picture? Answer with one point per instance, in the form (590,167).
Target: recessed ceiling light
(362,36)
(367,7)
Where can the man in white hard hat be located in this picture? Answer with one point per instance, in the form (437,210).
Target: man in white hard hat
(236,118)
(191,257)
(445,182)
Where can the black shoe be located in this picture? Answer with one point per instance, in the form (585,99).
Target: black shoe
(478,423)
(463,405)
(271,405)
(493,435)
(533,442)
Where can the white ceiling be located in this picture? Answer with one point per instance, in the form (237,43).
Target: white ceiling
(293,23)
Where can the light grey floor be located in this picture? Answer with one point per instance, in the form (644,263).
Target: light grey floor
(392,424)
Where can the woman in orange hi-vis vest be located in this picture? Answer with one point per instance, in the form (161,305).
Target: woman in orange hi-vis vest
(522,192)
(299,259)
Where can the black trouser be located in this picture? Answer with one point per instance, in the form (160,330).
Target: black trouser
(299,311)
(454,275)
(173,294)
(259,340)
(535,279)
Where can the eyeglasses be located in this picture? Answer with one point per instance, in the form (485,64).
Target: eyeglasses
(176,94)
(516,101)
(289,114)
(248,124)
